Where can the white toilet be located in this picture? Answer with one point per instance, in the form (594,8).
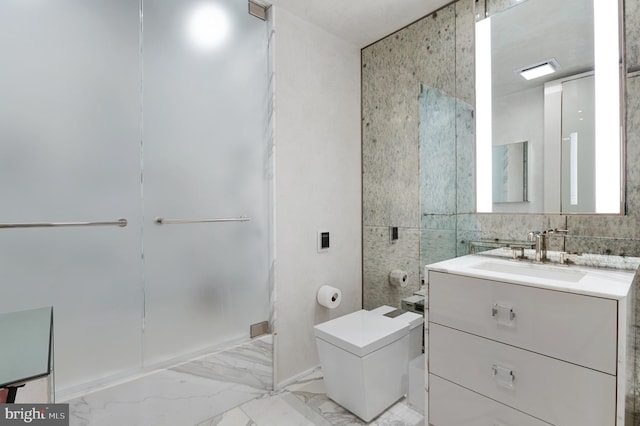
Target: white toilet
(365,359)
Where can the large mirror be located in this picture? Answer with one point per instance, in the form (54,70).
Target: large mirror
(549,72)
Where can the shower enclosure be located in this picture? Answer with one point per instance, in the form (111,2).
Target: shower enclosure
(153,114)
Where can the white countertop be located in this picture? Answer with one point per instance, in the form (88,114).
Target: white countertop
(598,279)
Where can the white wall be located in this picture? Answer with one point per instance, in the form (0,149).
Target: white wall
(318,184)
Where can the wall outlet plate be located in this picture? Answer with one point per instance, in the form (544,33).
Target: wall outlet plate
(394,234)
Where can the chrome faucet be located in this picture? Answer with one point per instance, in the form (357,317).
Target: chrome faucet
(540,239)
(541,245)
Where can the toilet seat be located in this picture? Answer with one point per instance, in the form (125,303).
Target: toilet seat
(361,332)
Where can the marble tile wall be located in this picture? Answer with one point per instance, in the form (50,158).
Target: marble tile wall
(390,165)
(395,71)
(632,34)
(384,257)
(465,11)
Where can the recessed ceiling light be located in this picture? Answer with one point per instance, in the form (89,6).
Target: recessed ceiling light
(540,69)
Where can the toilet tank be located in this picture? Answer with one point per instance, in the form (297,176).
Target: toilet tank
(416,329)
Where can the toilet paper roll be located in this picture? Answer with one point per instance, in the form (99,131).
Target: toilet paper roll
(398,278)
(329,297)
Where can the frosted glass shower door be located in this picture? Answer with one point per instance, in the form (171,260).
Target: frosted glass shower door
(70,152)
(205,157)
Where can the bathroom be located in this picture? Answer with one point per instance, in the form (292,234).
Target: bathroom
(365,179)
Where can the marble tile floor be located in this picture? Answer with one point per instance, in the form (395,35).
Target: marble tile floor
(228,388)
(185,394)
(305,403)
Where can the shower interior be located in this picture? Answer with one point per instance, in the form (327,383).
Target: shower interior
(136,110)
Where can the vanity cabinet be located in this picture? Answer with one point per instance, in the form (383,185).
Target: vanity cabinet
(505,352)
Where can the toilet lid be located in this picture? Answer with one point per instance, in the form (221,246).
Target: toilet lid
(361,332)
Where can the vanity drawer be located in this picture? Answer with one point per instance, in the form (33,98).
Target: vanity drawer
(452,405)
(552,390)
(571,327)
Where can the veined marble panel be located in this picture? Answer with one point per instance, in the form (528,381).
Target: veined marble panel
(465,57)
(390,160)
(380,257)
(464,238)
(392,72)
(632,33)
(613,227)
(633,138)
(437,245)
(507,226)
(466,157)
(439,221)
(480,9)
(497,6)
(433,47)
(604,246)
(437,152)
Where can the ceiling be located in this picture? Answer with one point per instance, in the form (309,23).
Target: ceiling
(536,31)
(360,22)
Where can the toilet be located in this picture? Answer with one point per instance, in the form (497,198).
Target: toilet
(365,360)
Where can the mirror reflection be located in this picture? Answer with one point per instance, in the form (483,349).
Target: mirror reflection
(540,67)
(510,172)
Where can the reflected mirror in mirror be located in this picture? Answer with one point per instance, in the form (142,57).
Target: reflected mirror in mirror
(548,72)
(510,172)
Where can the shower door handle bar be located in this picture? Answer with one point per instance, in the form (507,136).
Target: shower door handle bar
(163,221)
(120,222)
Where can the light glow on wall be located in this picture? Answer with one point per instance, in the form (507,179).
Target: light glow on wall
(208,26)
(607,99)
(484,194)
(573,168)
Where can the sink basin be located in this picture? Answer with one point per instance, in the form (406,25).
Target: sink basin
(532,270)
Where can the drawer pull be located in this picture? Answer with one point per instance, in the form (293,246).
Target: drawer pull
(503,314)
(503,376)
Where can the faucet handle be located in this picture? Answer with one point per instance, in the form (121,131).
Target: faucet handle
(514,252)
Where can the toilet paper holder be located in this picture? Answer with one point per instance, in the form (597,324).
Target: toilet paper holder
(329,297)
(398,278)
